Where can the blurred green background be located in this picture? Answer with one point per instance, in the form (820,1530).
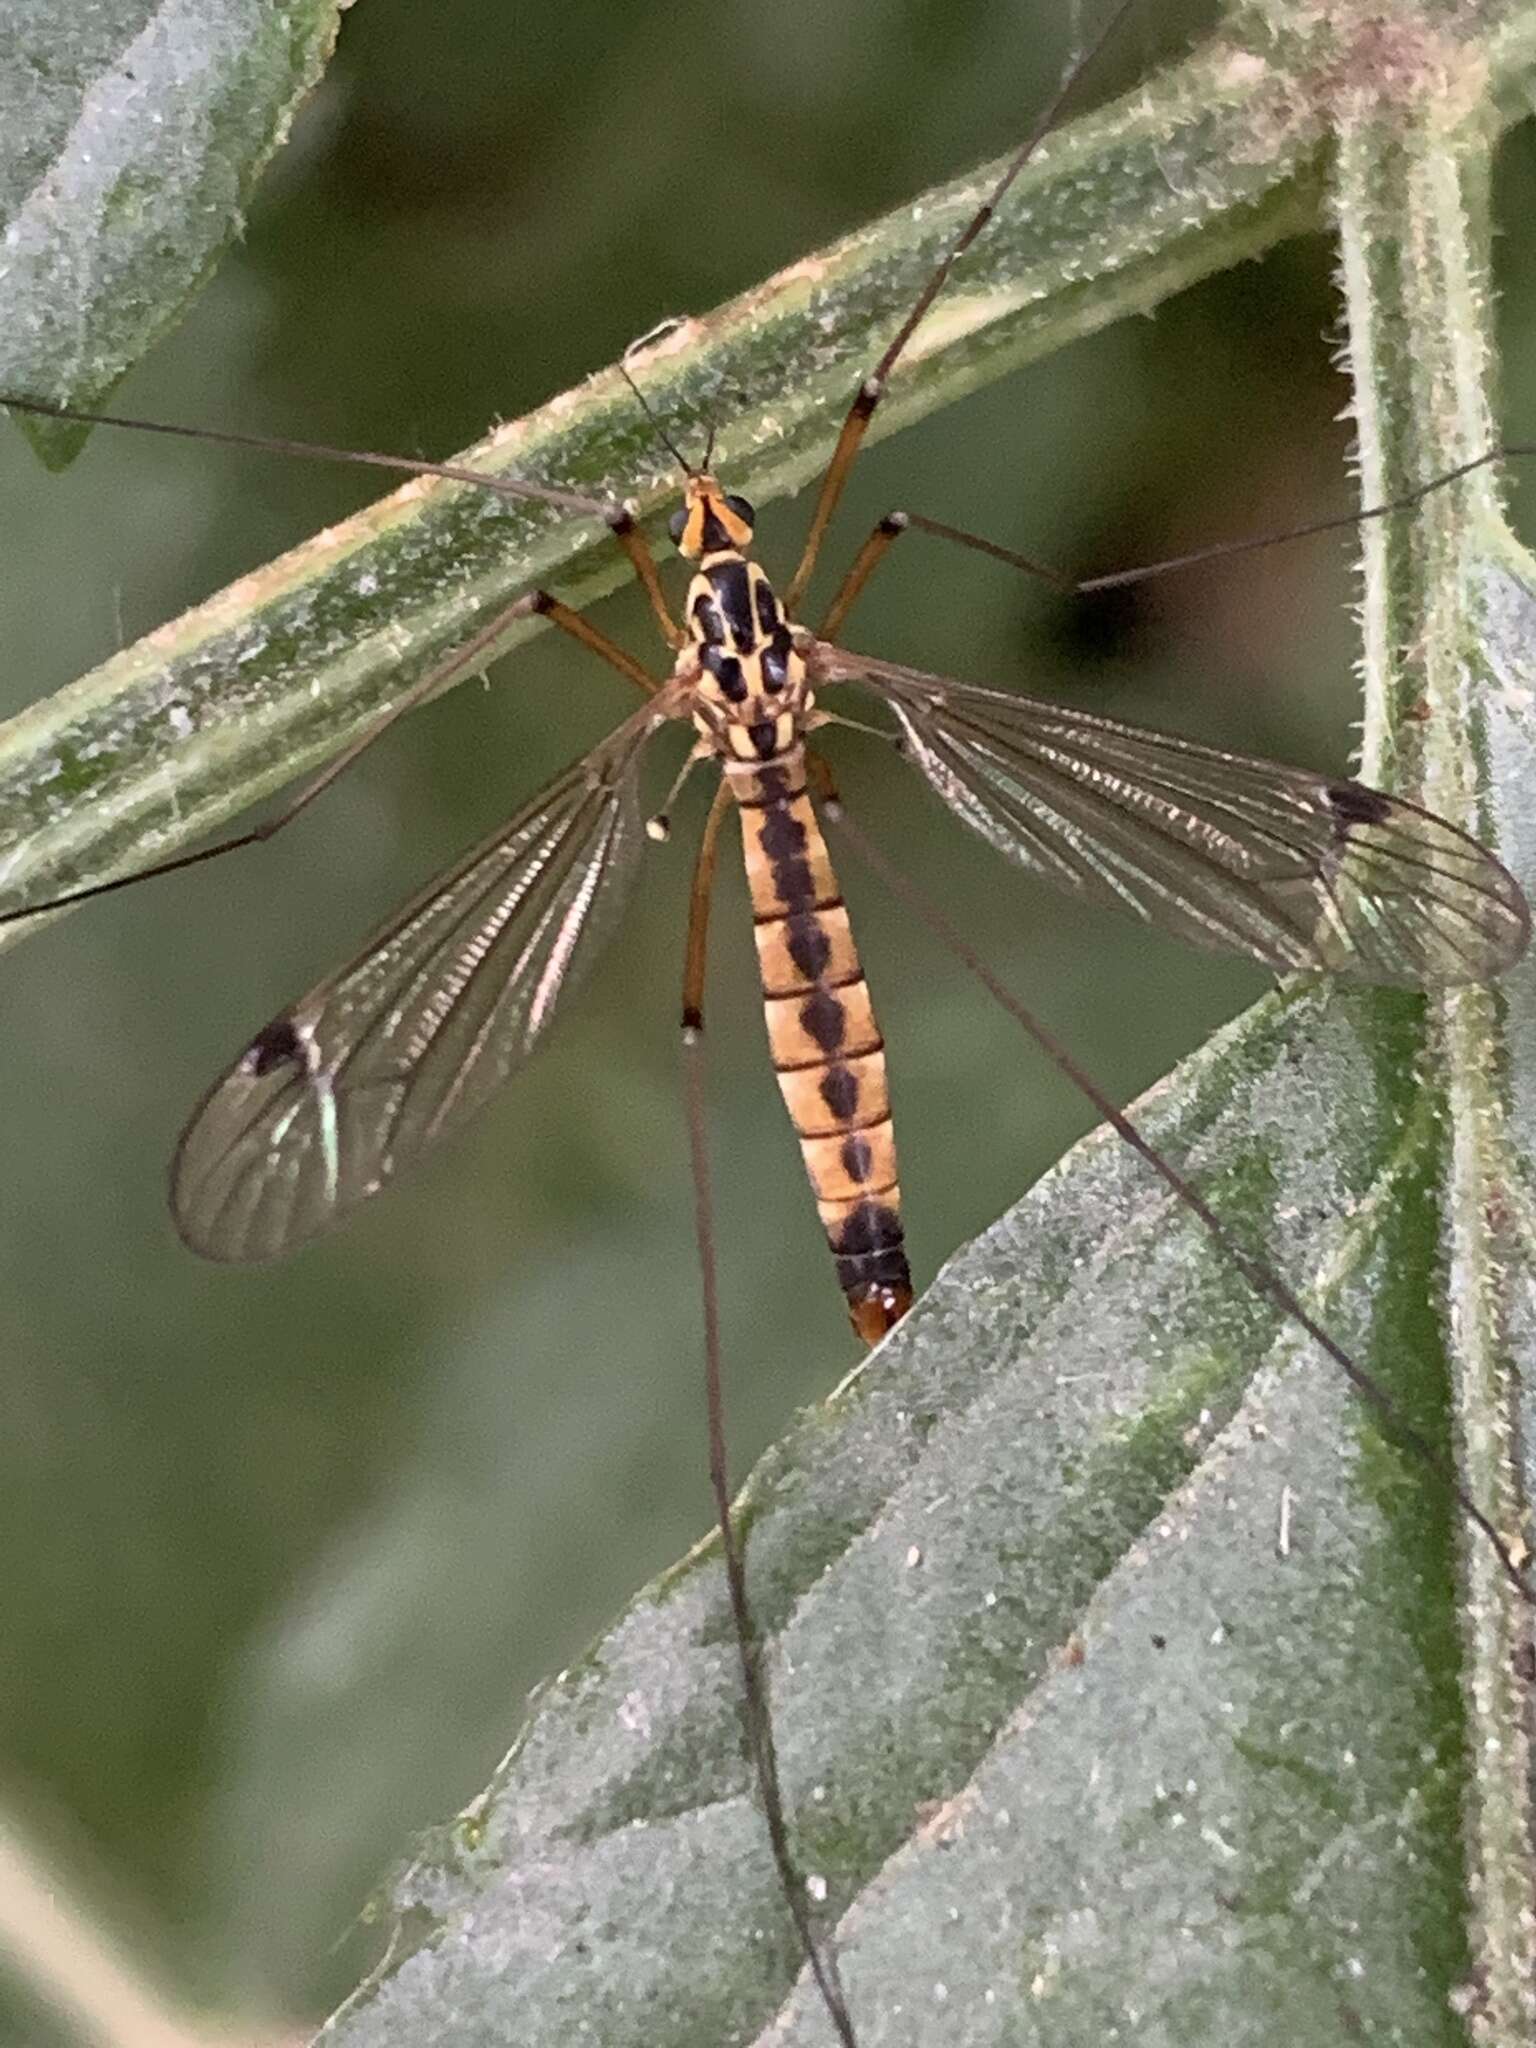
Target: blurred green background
(286,1549)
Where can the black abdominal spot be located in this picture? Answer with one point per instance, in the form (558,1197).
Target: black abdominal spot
(792,881)
(768,614)
(783,834)
(807,945)
(708,621)
(865,1273)
(872,1227)
(1353,804)
(823,1019)
(857,1157)
(840,1090)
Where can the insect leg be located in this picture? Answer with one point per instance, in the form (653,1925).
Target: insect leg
(1333,522)
(872,389)
(885,536)
(890,529)
(757,1719)
(643,562)
(466,658)
(539,604)
(700,896)
(320,451)
(864,564)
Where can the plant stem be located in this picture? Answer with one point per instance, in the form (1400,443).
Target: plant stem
(1411,200)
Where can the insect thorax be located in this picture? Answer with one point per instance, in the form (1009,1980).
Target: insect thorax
(751,699)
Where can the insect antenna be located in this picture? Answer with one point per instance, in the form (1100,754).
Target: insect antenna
(320,451)
(1259,1275)
(654,422)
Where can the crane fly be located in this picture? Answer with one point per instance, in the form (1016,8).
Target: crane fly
(346,1087)
(340,1090)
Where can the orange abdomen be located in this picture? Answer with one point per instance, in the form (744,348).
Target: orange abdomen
(826,1046)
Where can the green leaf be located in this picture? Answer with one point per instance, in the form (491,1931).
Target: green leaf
(132,133)
(1114,1653)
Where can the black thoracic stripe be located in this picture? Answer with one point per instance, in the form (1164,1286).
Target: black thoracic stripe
(773,662)
(769,617)
(732,586)
(707,620)
(727,672)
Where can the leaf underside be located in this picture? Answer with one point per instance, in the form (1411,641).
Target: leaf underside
(1070,1743)
(132,133)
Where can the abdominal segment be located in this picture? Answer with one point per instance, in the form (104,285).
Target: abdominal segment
(826,1046)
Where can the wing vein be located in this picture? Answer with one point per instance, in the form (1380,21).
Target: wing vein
(1224,850)
(406,1042)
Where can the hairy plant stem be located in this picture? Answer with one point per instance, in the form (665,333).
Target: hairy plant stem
(1411,201)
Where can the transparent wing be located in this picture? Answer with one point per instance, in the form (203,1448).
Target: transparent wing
(1226,851)
(370,1068)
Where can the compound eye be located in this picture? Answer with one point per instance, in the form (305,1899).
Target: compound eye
(677,525)
(742,509)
